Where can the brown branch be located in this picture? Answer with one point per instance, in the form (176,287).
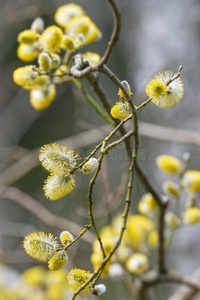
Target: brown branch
(113,39)
(16,229)
(42,213)
(169,134)
(187,292)
(104,101)
(171,276)
(15,257)
(98,271)
(93,79)
(145,181)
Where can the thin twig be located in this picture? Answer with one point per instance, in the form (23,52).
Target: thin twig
(99,91)
(187,292)
(127,203)
(113,39)
(92,101)
(145,180)
(76,239)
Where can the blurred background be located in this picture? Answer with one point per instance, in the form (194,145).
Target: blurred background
(155,36)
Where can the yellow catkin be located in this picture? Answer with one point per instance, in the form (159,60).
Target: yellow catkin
(41,99)
(29,79)
(169,164)
(191,181)
(58,260)
(57,159)
(27,37)
(77,277)
(68,43)
(137,263)
(191,216)
(90,166)
(39,245)
(92,58)
(56,186)
(51,39)
(163,94)
(66,12)
(85,26)
(66,238)
(27,53)
(120,111)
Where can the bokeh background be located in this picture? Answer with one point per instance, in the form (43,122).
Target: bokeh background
(155,36)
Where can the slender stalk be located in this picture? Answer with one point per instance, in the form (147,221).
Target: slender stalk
(92,101)
(76,239)
(143,104)
(145,181)
(127,204)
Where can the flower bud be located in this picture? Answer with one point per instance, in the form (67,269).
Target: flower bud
(172,220)
(68,43)
(58,260)
(66,238)
(169,164)
(120,110)
(127,88)
(92,58)
(44,61)
(27,37)
(190,201)
(147,205)
(191,216)
(55,60)
(38,25)
(171,189)
(137,263)
(99,289)
(79,41)
(40,99)
(191,181)
(90,166)
(116,271)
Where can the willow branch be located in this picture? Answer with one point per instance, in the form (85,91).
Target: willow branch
(76,239)
(113,39)
(98,89)
(145,180)
(187,292)
(92,101)
(126,209)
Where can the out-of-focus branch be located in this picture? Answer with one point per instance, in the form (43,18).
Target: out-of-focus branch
(187,292)
(15,257)
(42,213)
(169,134)
(86,138)
(30,161)
(15,229)
(152,279)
